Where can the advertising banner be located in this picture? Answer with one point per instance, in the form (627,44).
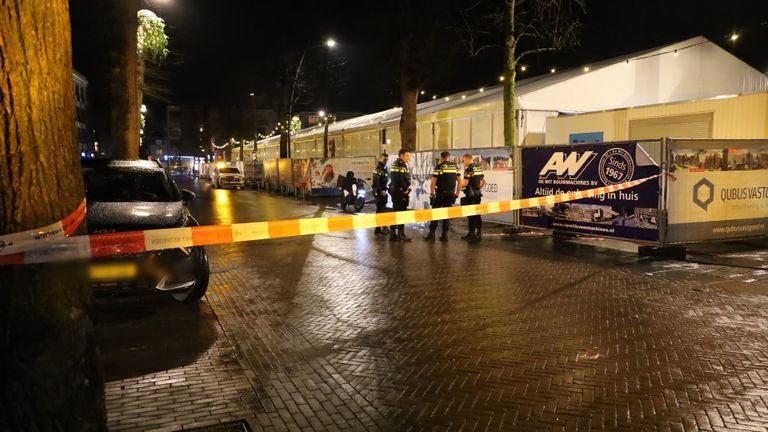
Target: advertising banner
(631,214)
(253,171)
(720,191)
(324,172)
(302,174)
(496,165)
(270,173)
(285,170)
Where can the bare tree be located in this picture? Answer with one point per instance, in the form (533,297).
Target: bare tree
(49,362)
(533,27)
(425,45)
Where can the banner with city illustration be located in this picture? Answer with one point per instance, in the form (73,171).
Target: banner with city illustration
(496,164)
(720,191)
(632,214)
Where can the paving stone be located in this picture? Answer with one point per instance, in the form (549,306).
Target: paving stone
(348,332)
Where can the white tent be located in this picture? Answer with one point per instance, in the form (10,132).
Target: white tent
(689,70)
(692,69)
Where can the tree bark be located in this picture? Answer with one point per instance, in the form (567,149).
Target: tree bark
(409,93)
(510,73)
(125,98)
(140,68)
(327,121)
(408,118)
(49,367)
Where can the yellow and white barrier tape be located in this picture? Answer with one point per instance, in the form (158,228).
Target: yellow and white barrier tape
(122,243)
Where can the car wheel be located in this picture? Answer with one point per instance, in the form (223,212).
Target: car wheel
(202,275)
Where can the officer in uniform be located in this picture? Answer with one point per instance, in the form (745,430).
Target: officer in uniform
(473,187)
(380,180)
(445,187)
(400,189)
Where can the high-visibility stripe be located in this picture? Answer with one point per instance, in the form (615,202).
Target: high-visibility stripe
(250,231)
(206,235)
(43,236)
(343,223)
(100,245)
(285,228)
(167,238)
(117,243)
(313,226)
(405,217)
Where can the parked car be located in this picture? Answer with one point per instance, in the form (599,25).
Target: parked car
(140,195)
(228,177)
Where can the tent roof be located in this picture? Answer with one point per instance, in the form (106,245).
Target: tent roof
(692,69)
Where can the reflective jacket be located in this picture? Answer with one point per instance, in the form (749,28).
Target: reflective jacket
(473,174)
(380,178)
(446,174)
(400,178)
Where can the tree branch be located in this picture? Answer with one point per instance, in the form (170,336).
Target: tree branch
(534,51)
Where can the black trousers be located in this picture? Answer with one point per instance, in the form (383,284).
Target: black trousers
(475,222)
(442,202)
(381,202)
(399,203)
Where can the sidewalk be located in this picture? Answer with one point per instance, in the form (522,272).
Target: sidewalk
(345,331)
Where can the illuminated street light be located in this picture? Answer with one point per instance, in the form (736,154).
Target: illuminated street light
(501,78)
(734,36)
(321,113)
(586,68)
(523,68)
(553,70)
(330,43)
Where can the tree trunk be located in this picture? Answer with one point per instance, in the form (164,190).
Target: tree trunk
(140,68)
(510,73)
(125,98)
(50,376)
(410,98)
(327,121)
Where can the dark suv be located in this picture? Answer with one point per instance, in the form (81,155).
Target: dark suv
(140,195)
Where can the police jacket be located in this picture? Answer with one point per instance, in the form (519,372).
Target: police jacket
(446,174)
(380,178)
(473,174)
(400,178)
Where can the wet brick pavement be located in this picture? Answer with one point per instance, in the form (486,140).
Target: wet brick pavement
(347,332)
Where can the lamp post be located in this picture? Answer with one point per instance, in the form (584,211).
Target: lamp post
(329,44)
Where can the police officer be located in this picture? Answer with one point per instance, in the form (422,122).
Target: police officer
(400,189)
(473,186)
(380,180)
(445,187)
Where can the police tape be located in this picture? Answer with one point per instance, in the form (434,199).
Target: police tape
(40,237)
(124,243)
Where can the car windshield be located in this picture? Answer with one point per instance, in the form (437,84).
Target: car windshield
(125,184)
(229,171)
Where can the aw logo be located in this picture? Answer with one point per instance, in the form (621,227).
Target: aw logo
(570,166)
(703,193)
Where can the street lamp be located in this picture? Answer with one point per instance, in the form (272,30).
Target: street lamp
(329,44)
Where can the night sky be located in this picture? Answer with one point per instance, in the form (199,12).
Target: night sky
(223,50)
